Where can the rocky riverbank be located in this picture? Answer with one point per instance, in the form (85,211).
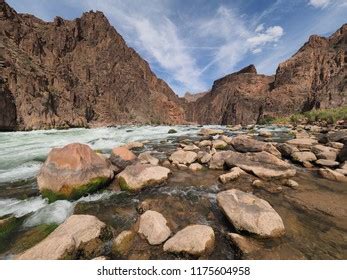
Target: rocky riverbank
(230,192)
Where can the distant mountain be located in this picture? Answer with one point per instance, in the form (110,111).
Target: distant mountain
(192,97)
(81,73)
(76,73)
(314,77)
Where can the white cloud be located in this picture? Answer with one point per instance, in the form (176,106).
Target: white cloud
(260,28)
(319,3)
(271,34)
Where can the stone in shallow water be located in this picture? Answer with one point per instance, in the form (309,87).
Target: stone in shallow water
(245,245)
(219,144)
(183,157)
(332,175)
(191,147)
(153,226)
(210,131)
(248,212)
(302,143)
(80,236)
(234,173)
(323,152)
(205,143)
(73,171)
(146,157)
(123,242)
(263,164)
(303,156)
(195,167)
(195,240)
(204,157)
(137,176)
(327,163)
(218,159)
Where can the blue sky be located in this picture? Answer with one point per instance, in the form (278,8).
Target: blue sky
(190,44)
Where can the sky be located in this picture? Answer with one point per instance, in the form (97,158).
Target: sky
(191,43)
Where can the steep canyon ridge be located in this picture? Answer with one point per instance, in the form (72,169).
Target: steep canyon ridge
(81,73)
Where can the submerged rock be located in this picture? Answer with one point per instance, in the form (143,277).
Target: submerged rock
(248,212)
(195,240)
(73,171)
(137,176)
(80,236)
(195,167)
(244,244)
(172,131)
(234,173)
(183,157)
(153,226)
(123,242)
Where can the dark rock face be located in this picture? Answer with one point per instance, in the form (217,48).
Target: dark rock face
(7,108)
(77,73)
(314,77)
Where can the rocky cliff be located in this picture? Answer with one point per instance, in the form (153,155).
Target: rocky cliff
(76,73)
(314,77)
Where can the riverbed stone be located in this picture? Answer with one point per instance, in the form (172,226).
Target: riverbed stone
(137,176)
(195,166)
(244,244)
(205,143)
(204,157)
(210,131)
(323,152)
(183,157)
(191,147)
(219,144)
(327,163)
(243,144)
(153,226)
(73,171)
(265,133)
(123,242)
(302,143)
(134,145)
(263,164)
(218,159)
(234,173)
(303,156)
(226,139)
(195,240)
(332,175)
(287,150)
(248,212)
(80,236)
(122,157)
(291,183)
(146,157)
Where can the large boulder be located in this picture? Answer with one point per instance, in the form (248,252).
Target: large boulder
(137,176)
(153,226)
(122,157)
(248,212)
(183,157)
(195,240)
(243,144)
(303,156)
(73,171)
(80,236)
(263,164)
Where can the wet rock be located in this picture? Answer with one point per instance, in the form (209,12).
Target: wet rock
(323,152)
(181,166)
(123,242)
(291,183)
(302,143)
(138,176)
(146,157)
(332,175)
(337,136)
(195,240)
(303,156)
(172,131)
(258,183)
(204,157)
(210,131)
(195,167)
(134,145)
(265,133)
(243,143)
(219,144)
(327,163)
(244,244)
(80,236)
(263,164)
(205,143)
(248,212)
(191,147)
(153,226)
(73,171)
(342,156)
(184,157)
(234,173)
(218,159)
(122,157)
(287,150)
(307,164)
